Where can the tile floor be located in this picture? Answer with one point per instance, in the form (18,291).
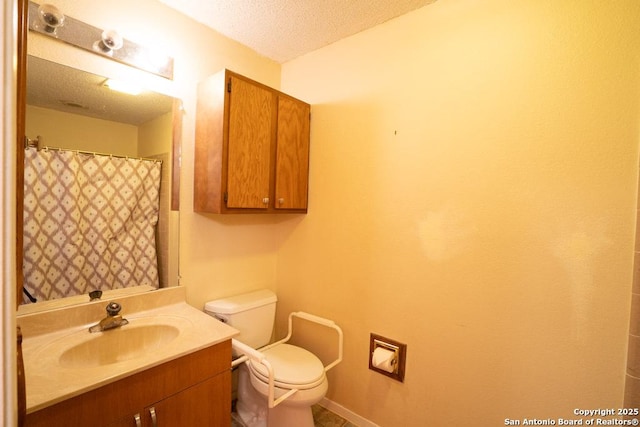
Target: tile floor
(321,416)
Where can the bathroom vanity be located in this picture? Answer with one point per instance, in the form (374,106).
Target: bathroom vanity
(171,365)
(191,390)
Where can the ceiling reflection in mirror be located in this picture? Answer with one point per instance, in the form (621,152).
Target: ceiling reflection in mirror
(58,87)
(69,109)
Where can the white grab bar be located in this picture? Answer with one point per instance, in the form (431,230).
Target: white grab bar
(257,356)
(319,320)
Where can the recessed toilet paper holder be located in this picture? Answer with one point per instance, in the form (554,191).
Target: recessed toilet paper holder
(396,360)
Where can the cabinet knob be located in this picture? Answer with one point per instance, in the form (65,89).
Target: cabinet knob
(265,200)
(138,420)
(281,200)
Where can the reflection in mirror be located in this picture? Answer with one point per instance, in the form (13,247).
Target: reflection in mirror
(73,115)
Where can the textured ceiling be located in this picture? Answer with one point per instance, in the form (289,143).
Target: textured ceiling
(278,29)
(285,29)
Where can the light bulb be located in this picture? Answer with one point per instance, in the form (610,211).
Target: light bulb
(49,18)
(110,41)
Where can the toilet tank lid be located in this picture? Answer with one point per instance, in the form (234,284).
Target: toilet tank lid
(239,303)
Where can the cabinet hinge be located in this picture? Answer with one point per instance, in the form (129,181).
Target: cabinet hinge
(226,197)
(229,86)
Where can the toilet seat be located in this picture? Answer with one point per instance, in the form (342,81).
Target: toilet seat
(293,367)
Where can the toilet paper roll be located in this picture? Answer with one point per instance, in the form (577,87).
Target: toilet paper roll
(384,359)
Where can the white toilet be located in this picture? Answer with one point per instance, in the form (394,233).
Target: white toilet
(277,384)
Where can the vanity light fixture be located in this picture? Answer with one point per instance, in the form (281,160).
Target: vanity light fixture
(49,19)
(123,86)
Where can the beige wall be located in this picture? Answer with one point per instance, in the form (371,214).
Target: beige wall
(76,132)
(156,136)
(632,380)
(472,194)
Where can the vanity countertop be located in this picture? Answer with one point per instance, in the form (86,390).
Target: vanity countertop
(52,375)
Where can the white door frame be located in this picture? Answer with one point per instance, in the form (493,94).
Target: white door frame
(8,394)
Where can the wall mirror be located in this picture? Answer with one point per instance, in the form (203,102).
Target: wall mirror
(73,110)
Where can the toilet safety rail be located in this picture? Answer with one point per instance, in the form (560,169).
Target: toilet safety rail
(258,357)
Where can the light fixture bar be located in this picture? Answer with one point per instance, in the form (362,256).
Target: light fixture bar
(87,37)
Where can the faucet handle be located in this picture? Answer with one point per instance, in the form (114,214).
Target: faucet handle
(95,295)
(113,308)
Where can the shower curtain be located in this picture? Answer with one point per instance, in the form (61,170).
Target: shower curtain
(89,223)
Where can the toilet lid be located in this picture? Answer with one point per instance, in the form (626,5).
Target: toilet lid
(291,365)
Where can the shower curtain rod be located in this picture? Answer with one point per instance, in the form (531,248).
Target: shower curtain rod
(93,153)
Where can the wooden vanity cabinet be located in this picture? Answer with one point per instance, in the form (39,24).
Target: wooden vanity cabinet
(194,390)
(191,407)
(251,149)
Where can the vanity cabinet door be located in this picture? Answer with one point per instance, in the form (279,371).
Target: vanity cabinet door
(130,421)
(205,404)
(251,148)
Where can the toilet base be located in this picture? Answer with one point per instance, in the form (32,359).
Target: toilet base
(254,411)
(291,416)
(251,406)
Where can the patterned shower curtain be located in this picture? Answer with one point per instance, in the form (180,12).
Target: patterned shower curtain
(89,222)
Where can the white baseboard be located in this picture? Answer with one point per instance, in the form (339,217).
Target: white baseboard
(348,415)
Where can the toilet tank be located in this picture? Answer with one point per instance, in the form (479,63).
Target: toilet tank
(252,314)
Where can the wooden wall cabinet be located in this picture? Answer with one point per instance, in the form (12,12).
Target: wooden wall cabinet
(251,149)
(192,390)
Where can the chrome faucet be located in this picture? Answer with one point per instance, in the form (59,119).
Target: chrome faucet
(113,319)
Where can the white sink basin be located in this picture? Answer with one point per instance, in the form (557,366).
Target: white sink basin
(117,345)
(141,339)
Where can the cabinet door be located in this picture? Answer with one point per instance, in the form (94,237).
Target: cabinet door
(205,404)
(249,146)
(130,421)
(292,155)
